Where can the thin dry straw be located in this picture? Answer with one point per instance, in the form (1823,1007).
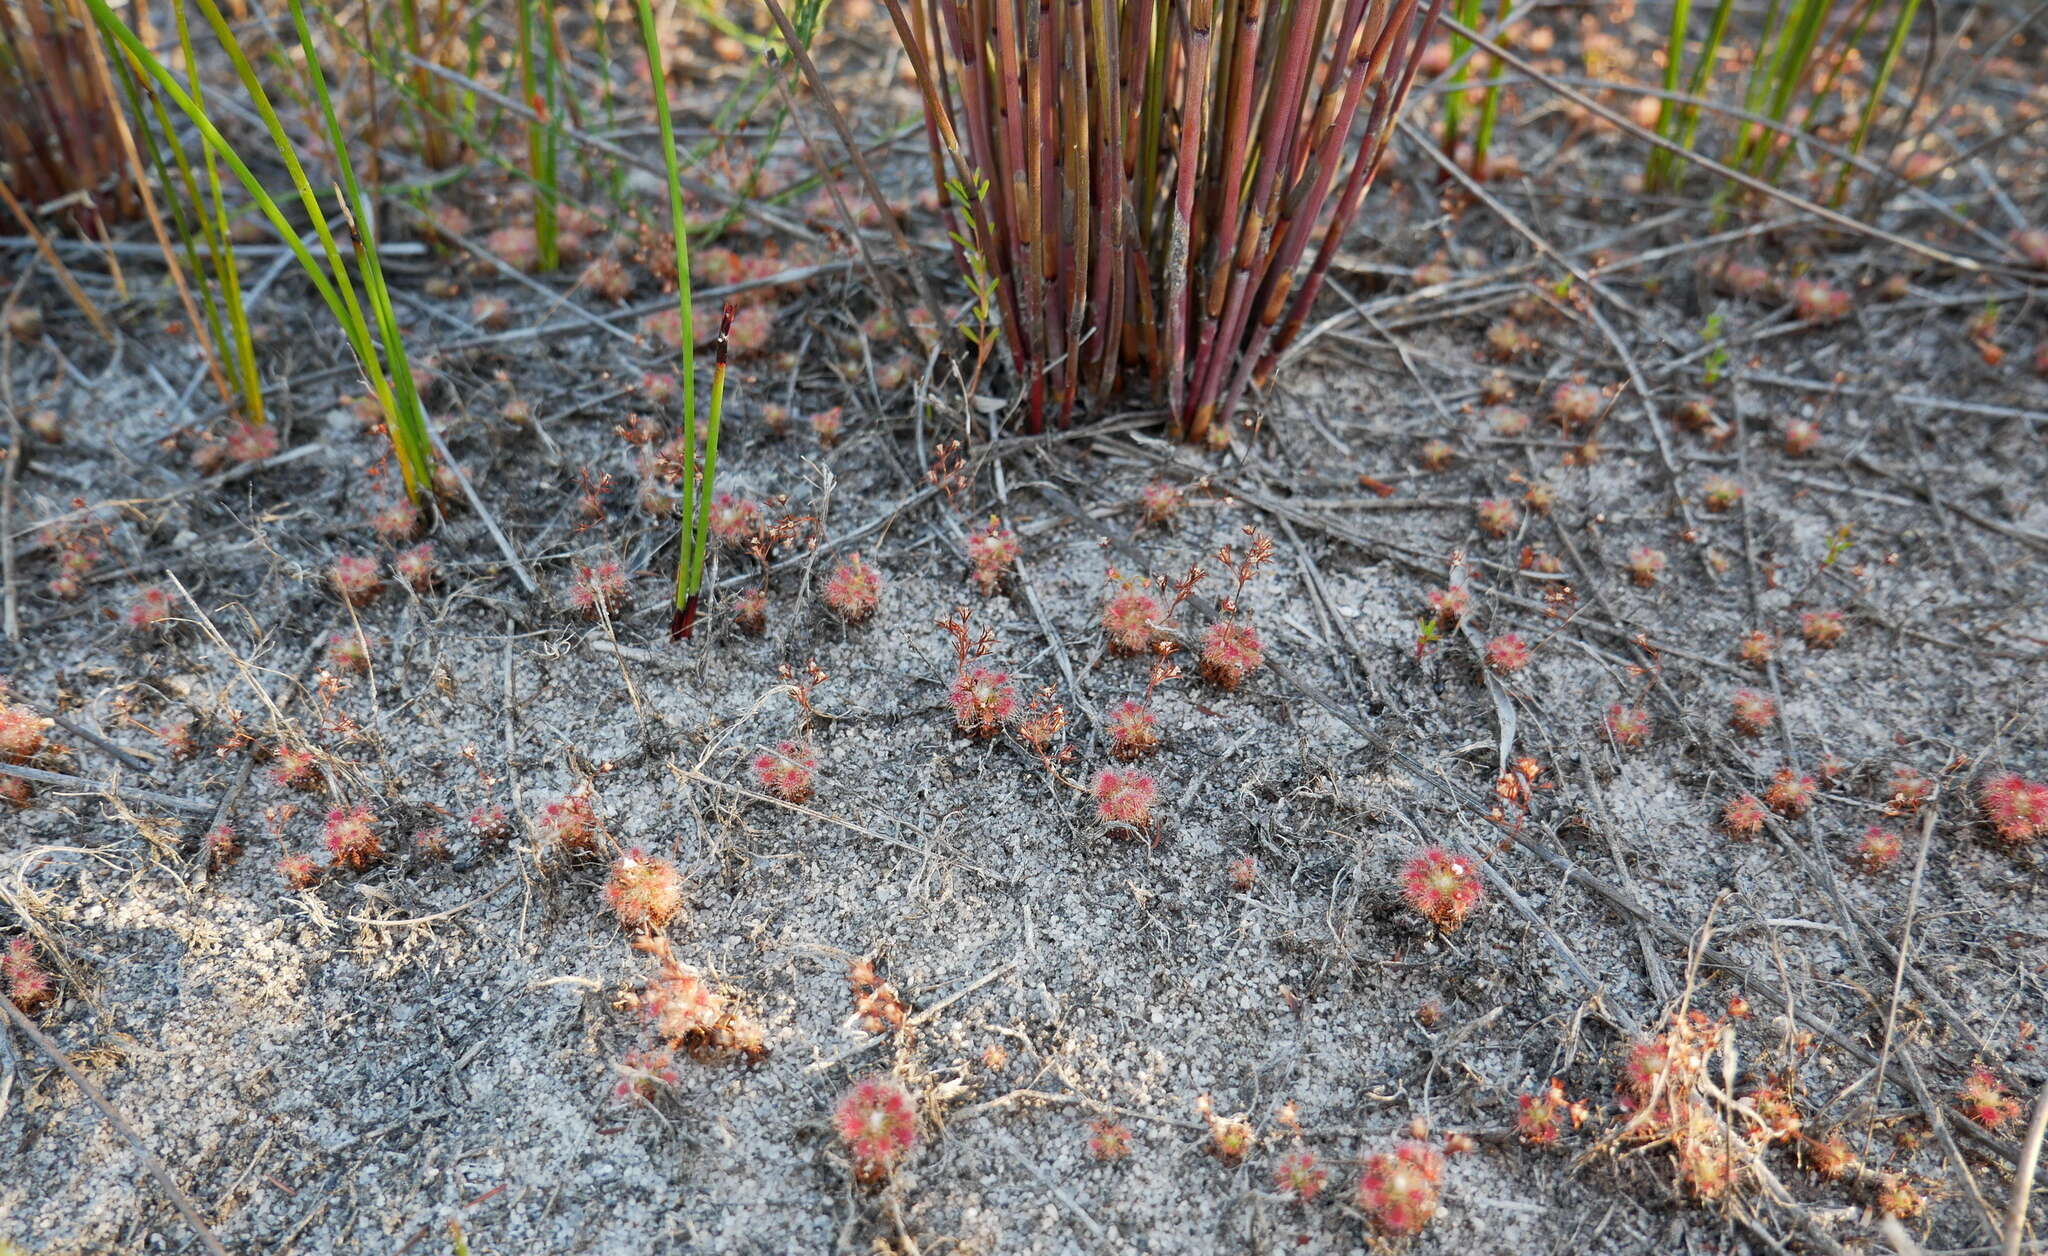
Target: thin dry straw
(1157,175)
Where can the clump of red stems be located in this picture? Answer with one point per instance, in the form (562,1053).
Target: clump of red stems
(1802,436)
(1186,248)
(1496,516)
(1436,455)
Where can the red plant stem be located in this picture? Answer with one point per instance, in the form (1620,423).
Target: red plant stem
(1201,13)
(1107,156)
(1282,108)
(684,621)
(1363,168)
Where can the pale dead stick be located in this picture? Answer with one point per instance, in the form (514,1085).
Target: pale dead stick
(179,1199)
(2023,1175)
(190,806)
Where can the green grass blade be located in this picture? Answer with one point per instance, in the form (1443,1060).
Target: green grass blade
(702,528)
(688,565)
(403,416)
